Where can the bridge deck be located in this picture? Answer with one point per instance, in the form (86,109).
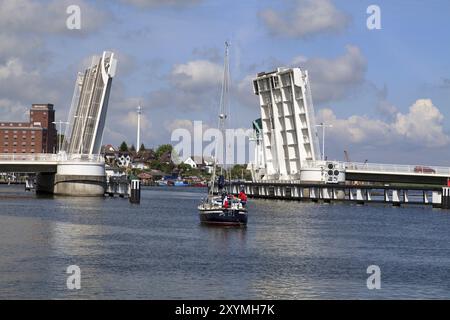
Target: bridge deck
(41,162)
(419,174)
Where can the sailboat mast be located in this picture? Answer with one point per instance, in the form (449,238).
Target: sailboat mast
(223,112)
(225,103)
(224,99)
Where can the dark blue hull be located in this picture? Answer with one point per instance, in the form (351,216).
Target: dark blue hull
(223,217)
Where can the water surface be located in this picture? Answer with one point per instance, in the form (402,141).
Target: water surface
(158,249)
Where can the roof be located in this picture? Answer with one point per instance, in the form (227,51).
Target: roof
(144,175)
(166,157)
(108,148)
(201,161)
(197,159)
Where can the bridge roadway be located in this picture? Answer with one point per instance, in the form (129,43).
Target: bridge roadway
(41,162)
(371,172)
(392,173)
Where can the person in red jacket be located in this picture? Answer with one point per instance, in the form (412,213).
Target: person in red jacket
(225,202)
(243,197)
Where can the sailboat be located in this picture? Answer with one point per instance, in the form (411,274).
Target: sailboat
(223,208)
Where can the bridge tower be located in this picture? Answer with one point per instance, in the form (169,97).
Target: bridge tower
(81,170)
(289,136)
(89,106)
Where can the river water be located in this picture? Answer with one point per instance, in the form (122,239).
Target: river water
(158,249)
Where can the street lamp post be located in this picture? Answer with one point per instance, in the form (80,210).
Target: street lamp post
(323,125)
(60,131)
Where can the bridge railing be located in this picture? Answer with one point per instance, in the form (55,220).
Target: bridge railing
(81,157)
(397,168)
(50,157)
(382,168)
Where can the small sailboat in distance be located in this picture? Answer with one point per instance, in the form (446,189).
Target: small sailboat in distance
(223,208)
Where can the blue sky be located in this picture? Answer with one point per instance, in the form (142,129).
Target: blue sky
(364,82)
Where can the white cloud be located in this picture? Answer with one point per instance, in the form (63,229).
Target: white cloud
(158,3)
(17,46)
(25,28)
(12,68)
(196,74)
(21,83)
(331,79)
(307,18)
(172,125)
(48,16)
(355,129)
(334,79)
(121,124)
(244,92)
(194,85)
(420,126)
(14,110)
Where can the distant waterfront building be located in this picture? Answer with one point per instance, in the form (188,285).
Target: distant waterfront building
(38,135)
(202,163)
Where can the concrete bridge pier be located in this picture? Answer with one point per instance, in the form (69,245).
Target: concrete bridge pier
(83,179)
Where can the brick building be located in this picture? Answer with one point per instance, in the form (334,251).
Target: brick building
(36,136)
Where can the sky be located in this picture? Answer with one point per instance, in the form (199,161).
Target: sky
(386,92)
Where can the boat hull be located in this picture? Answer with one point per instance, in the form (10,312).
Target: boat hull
(228,217)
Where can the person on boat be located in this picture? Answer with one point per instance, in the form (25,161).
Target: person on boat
(243,197)
(225,202)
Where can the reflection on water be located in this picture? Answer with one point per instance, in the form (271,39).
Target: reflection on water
(159,250)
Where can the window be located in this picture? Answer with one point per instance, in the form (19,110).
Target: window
(255,86)
(275,82)
(6,143)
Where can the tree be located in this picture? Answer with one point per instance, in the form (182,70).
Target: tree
(133,148)
(163,149)
(187,170)
(123,147)
(183,167)
(240,171)
(142,148)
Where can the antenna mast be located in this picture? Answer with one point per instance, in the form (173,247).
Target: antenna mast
(138,138)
